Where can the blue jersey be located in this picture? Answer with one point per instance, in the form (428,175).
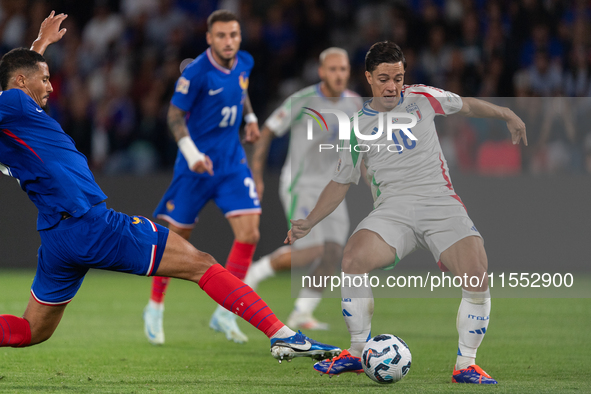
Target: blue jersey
(35,150)
(213,97)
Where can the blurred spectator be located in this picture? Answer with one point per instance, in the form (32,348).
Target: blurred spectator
(13,24)
(115,70)
(102,31)
(163,22)
(545,78)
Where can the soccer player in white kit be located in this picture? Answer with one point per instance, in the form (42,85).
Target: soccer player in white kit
(311,171)
(415,205)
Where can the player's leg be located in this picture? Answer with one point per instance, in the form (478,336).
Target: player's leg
(37,324)
(246,237)
(268,265)
(467,256)
(365,251)
(329,256)
(181,260)
(179,207)
(154,311)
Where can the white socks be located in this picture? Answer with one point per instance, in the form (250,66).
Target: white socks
(159,306)
(307,301)
(357,307)
(284,332)
(259,271)
(472,323)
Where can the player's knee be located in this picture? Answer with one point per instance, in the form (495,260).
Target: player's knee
(352,264)
(250,236)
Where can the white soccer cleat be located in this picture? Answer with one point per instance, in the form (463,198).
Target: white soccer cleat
(305,321)
(153,325)
(224,321)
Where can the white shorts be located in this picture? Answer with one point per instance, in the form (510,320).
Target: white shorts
(299,203)
(432,223)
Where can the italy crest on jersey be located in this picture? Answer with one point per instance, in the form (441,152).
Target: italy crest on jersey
(414,109)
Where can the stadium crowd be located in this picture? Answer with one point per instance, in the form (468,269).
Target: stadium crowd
(114,72)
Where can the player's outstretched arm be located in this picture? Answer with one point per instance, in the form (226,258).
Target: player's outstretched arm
(197,161)
(259,158)
(49,32)
(252,125)
(333,194)
(476,108)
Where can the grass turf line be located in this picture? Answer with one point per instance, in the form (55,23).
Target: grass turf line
(532,345)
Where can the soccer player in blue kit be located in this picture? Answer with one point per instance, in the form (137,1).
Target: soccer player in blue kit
(205,113)
(77,230)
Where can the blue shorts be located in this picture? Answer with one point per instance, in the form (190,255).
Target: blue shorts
(234,193)
(102,239)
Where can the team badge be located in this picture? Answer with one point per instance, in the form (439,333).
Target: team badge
(414,109)
(243,81)
(137,220)
(170,205)
(182,86)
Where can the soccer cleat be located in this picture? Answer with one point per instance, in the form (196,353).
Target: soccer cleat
(300,345)
(224,321)
(153,325)
(344,362)
(473,374)
(305,321)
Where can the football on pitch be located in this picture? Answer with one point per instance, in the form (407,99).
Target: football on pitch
(386,358)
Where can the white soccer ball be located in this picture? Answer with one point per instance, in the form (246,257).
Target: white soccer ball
(386,358)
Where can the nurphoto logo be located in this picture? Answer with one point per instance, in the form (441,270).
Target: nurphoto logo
(394,121)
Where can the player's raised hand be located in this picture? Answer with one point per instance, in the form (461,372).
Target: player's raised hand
(50,31)
(517,129)
(252,132)
(299,229)
(202,166)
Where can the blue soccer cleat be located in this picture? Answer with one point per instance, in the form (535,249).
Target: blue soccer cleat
(473,374)
(300,345)
(344,362)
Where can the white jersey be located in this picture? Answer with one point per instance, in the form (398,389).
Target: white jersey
(419,168)
(309,168)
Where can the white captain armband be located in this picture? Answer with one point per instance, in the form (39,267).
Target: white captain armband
(190,151)
(250,118)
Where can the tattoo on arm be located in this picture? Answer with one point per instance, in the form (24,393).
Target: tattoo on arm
(176,122)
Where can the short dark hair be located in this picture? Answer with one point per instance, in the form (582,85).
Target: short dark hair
(383,52)
(18,59)
(221,16)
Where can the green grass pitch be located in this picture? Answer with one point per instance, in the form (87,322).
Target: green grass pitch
(532,345)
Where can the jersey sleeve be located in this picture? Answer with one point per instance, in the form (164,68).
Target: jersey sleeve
(349,164)
(187,89)
(280,119)
(442,101)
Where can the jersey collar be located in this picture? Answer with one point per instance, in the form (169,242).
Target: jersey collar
(218,66)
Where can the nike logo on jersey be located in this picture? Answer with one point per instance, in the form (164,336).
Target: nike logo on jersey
(39,110)
(214,92)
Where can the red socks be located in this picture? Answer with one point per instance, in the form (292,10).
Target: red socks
(238,262)
(240,258)
(14,331)
(231,293)
(159,285)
